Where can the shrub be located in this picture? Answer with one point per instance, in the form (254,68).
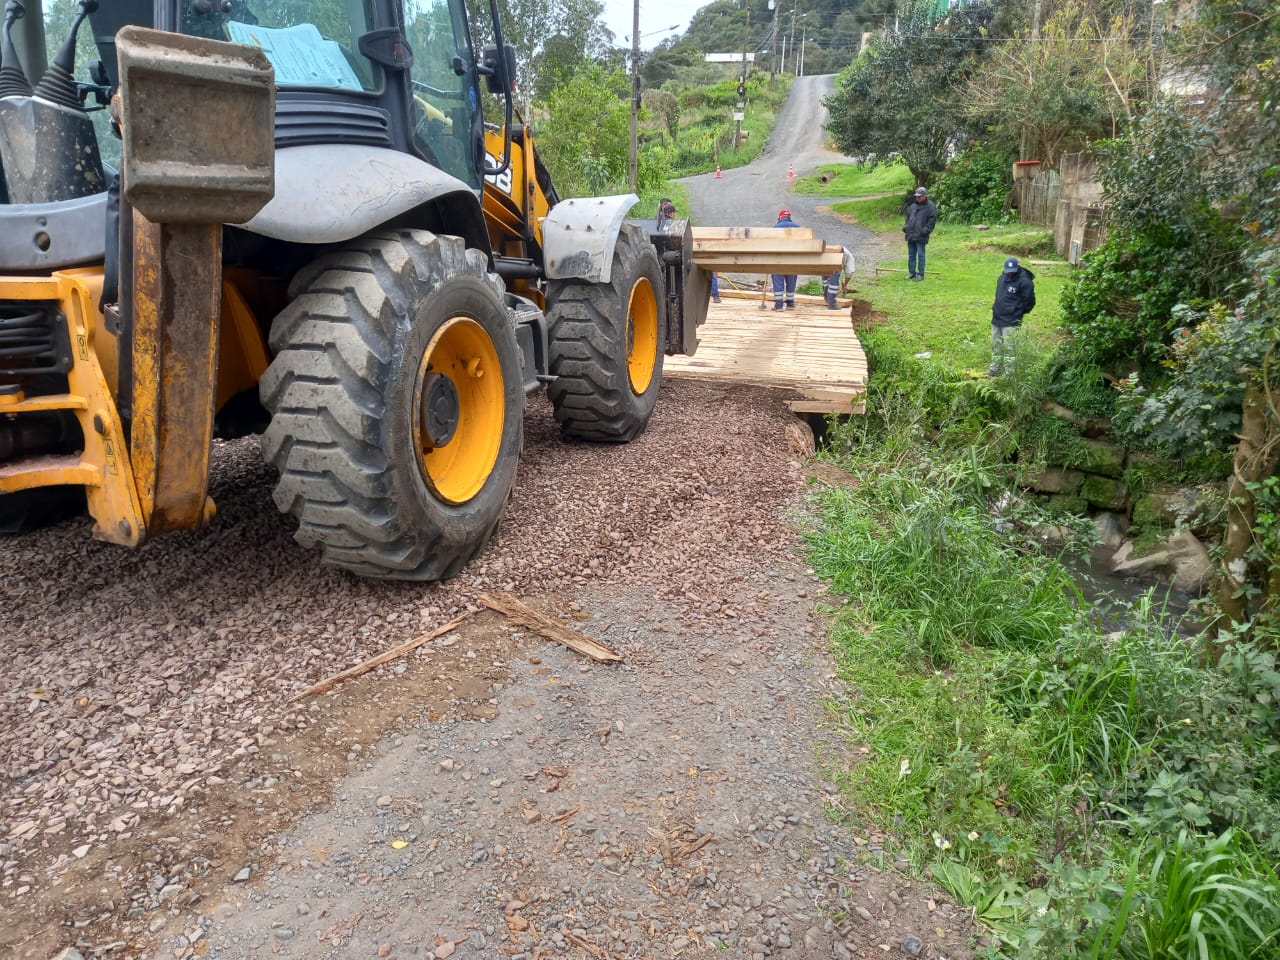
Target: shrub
(1119,310)
(975,187)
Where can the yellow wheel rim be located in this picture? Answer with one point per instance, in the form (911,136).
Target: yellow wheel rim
(642,335)
(458,409)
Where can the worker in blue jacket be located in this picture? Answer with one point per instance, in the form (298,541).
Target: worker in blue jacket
(1015,298)
(784,283)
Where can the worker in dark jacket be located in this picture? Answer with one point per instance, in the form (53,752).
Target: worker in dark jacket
(922,217)
(784,284)
(1015,298)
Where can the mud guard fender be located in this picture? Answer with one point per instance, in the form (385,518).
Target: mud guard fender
(578,236)
(332,193)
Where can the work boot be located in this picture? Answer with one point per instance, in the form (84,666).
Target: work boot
(715,299)
(777,306)
(791,306)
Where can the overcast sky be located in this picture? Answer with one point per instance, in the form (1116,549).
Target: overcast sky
(656,16)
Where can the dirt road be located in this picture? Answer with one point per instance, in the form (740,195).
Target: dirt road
(491,795)
(751,196)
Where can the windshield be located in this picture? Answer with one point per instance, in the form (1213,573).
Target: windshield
(311,43)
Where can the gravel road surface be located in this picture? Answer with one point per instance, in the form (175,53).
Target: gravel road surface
(491,795)
(751,196)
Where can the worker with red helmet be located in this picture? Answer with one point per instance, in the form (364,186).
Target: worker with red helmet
(784,284)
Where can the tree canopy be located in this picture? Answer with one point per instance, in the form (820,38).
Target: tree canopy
(904,96)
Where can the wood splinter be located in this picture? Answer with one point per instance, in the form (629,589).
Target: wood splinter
(385,657)
(523,614)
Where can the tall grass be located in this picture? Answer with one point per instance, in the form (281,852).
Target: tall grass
(930,573)
(1090,790)
(1198,898)
(1090,793)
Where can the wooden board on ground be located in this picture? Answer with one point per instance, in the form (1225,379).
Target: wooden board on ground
(811,350)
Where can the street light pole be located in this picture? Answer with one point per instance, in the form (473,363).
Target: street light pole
(635,94)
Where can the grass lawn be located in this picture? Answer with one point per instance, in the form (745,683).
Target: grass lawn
(949,314)
(857,180)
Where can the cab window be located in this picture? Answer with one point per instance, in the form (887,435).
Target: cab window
(445,103)
(310,43)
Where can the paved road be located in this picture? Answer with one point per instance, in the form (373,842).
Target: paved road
(752,195)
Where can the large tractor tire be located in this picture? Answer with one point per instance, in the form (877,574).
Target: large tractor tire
(607,344)
(397,407)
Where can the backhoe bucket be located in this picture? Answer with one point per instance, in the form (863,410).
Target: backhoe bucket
(197,120)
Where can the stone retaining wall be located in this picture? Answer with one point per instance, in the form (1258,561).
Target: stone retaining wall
(1157,534)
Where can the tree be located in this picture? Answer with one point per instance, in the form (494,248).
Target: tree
(585,138)
(530,25)
(902,96)
(1078,80)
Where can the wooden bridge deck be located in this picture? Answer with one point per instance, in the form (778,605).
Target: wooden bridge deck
(811,351)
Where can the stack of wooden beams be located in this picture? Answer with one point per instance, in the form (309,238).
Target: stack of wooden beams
(765,250)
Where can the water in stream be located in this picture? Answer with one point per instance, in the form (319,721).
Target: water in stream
(1113,596)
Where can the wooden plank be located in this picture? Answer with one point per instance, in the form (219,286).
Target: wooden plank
(385,657)
(735,245)
(811,264)
(811,351)
(751,233)
(802,300)
(816,364)
(848,406)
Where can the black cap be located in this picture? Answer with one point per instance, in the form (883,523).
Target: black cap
(1011,265)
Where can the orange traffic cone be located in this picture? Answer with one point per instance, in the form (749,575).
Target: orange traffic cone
(718,177)
(791,174)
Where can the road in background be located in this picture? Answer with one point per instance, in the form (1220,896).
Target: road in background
(751,196)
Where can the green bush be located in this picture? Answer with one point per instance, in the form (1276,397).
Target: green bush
(1119,309)
(975,187)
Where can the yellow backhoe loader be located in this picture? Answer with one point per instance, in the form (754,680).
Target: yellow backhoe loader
(293,218)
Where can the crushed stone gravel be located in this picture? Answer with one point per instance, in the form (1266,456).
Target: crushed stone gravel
(491,796)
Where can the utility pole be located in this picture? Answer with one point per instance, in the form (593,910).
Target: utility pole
(742,84)
(773,43)
(800,64)
(794,4)
(635,94)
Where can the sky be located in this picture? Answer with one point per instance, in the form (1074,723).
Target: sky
(656,16)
